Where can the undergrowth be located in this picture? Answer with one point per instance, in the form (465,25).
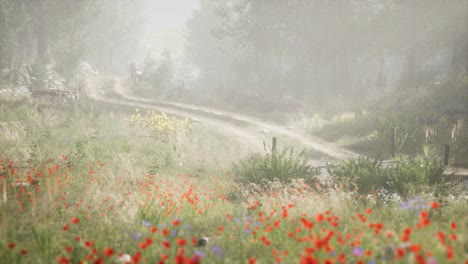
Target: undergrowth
(282,165)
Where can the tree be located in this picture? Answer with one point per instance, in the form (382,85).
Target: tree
(64,32)
(208,52)
(317,49)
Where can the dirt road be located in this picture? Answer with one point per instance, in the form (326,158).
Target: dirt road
(225,121)
(252,140)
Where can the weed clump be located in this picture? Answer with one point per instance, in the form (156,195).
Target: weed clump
(404,177)
(278,165)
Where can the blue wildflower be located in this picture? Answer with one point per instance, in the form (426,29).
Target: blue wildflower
(358,251)
(137,235)
(218,251)
(200,253)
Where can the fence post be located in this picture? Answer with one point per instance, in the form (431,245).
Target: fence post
(273,145)
(133,75)
(446,154)
(393,141)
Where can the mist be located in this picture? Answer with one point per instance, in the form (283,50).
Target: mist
(233,131)
(310,51)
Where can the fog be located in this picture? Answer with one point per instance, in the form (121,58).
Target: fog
(283,54)
(181,131)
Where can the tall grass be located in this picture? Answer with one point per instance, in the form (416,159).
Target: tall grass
(282,165)
(404,177)
(97,202)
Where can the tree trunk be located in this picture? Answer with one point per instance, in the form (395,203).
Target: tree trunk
(43,53)
(300,73)
(381,79)
(412,71)
(463,32)
(459,47)
(344,78)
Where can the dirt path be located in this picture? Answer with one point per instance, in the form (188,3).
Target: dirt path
(252,141)
(225,121)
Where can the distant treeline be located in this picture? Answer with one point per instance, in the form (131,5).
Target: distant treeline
(312,50)
(65,32)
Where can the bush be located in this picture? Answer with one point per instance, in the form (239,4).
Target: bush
(404,177)
(416,175)
(157,78)
(362,173)
(283,166)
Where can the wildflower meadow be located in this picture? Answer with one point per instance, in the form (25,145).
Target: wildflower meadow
(64,204)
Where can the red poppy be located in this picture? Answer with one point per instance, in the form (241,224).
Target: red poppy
(415,248)
(453,226)
(195,259)
(277,223)
(450,253)
(400,252)
(441,237)
(108,251)
(149,241)
(89,244)
(75,220)
(136,258)
(309,260)
(307,224)
(319,217)
(61,260)
(143,245)
(180,259)
(166,244)
(181,242)
(425,221)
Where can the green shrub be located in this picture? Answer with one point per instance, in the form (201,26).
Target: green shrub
(416,175)
(283,166)
(362,172)
(403,177)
